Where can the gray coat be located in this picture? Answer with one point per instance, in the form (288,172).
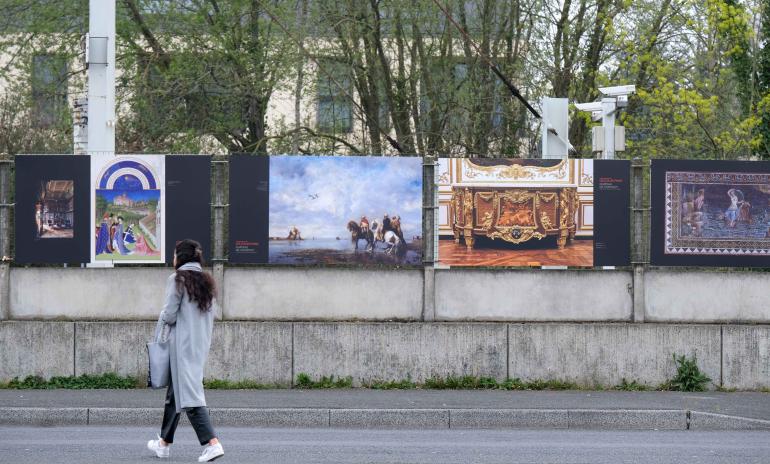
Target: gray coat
(190,339)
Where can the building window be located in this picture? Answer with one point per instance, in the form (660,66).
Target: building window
(49,90)
(335,110)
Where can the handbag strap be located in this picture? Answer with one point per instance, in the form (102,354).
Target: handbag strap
(160,334)
(159,329)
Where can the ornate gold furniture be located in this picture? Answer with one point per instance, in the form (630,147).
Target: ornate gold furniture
(514,213)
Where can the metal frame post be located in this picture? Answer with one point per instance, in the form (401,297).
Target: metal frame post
(639,260)
(218,167)
(429,236)
(5,237)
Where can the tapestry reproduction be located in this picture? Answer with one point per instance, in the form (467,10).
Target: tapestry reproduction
(717,213)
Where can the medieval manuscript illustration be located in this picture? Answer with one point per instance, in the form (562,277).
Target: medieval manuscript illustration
(717,213)
(128,209)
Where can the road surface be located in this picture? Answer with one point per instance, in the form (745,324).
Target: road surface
(94,444)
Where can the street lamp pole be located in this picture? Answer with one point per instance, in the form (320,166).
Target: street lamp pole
(100,58)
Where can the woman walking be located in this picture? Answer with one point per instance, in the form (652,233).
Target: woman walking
(190,314)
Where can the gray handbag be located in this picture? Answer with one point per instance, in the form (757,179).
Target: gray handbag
(160,357)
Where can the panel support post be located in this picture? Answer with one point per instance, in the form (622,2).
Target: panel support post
(5,236)
(219,186)
(429,236)
(639,240)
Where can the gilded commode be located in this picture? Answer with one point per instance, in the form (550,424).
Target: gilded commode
(515,201)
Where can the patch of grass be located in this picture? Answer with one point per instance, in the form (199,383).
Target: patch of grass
(405,384)
(688,378)
(304,381)
(467,382)
(551,385)
(220,384)
(85,381)
(633,385)
(726,390)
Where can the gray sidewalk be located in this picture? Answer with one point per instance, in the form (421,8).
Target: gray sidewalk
(362,408)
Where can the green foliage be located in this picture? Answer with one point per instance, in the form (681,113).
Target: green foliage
(625,385)
(304,381)
(688,378)
(222,76)
(220,384)
(405,384)
(106,381)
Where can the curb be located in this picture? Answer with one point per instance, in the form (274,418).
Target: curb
(597,419)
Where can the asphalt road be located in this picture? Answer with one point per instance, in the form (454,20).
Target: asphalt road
(61,445)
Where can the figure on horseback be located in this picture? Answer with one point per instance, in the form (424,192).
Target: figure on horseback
(361,231)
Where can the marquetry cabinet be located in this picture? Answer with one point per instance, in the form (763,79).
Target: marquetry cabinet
(513,213)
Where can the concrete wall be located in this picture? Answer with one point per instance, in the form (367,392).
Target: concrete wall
(36,348)
(347,294)
(75,293)
(746,356)
(369,352)
(733,356)
(322,293)
(604,354)
(527,295)
(692,296)
(259,351)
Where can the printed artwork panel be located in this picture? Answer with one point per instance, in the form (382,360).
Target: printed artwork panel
(128,208)
(55,209)
(534,213)
(345,210)
(52,209)
(713,213)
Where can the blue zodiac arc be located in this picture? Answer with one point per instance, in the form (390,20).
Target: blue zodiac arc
(127,175)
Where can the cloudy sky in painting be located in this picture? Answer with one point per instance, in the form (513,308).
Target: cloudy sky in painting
(346,188)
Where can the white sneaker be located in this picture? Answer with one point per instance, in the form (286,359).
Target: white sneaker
(160,450)
(211,452)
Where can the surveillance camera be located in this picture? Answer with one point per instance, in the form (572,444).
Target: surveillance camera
(618,90)
(591,107)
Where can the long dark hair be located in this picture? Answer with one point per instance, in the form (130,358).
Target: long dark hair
(199,285)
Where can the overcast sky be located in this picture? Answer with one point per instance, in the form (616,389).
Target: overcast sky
(346,188)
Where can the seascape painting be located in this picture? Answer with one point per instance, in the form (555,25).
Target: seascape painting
(345,210)
(128,210)
(717,213)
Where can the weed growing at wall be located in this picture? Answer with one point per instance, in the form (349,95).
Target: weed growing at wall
(633,385)
(304,381)
(688,378)
(220,384)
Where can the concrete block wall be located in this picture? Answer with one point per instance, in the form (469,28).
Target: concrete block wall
(580,326)
(345,294)
(734,356)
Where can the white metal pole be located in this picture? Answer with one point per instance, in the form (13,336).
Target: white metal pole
(608,124)
(101,77)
